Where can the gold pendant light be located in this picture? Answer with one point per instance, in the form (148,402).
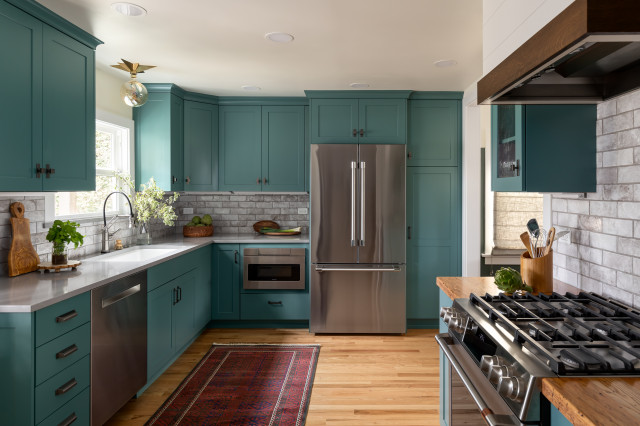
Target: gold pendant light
(133,92)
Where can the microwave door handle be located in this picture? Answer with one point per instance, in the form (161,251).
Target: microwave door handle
(354,166)
(486,412)
(362,209)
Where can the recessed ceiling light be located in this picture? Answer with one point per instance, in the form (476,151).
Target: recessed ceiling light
(129,9)
(359,85)
(443,63)
(251,88)
(279,37)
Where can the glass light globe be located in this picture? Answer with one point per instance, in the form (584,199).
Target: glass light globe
(134,93)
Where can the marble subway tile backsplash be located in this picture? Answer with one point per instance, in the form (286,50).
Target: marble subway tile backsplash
(237,212)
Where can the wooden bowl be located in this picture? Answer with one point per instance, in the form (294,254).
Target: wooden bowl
(197,231)
(265,224)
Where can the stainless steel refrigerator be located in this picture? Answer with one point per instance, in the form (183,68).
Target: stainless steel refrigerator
(358,253)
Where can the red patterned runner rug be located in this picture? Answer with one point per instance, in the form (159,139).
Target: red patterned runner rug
(243,384)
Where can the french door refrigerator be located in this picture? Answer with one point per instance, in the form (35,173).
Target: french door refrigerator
(358,254)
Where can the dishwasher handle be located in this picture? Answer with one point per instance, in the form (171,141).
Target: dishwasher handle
(488,415)
(108,301)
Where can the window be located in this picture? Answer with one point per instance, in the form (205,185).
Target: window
(113,156)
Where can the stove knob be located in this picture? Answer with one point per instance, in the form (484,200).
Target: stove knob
(448,315)
(512,387)
(497,372)
(444,311)
(488,361)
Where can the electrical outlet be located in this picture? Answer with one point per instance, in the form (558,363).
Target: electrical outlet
(302,210)
(187,210)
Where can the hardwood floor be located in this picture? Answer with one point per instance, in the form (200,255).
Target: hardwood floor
(360,380)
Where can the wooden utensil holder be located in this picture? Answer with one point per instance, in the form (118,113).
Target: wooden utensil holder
(537,272)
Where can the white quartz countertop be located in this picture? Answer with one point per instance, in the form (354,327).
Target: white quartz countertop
(37,290)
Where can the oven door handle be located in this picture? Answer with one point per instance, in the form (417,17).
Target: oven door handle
(487,413)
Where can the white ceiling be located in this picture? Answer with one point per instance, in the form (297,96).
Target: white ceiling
(217,46)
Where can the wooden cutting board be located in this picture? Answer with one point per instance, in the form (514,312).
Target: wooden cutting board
(22,256)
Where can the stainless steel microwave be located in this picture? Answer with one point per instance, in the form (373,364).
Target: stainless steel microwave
(274,268)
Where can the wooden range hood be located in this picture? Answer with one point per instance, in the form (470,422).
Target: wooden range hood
(589,53)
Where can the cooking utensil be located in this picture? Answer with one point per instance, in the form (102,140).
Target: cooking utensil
(524,237)
(22,256)
(550,238)
(561,234)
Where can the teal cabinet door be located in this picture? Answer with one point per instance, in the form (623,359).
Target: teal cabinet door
(434,133)
(334,120)
(507,143)
(240,157)
(68,113)
(283,148)
(557,419)
(160,346)
(183,315)
(203,288)
(225,290)
(307,149)
(433,236)
(20,102)
(159,139)
(382,121)
(200,146)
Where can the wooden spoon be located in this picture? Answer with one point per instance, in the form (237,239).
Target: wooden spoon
(550,238)
(527,242)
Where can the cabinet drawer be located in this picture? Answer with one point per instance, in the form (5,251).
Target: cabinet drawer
(58,354)
(55,320)
(78,408)
(274,306)
(171,269)
(62,388)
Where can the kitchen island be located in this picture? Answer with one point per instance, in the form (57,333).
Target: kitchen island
(583,401)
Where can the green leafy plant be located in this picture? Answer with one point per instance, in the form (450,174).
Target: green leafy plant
(62,233)
(510,280)
(150,202)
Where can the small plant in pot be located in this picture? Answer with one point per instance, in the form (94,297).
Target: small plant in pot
(60,234)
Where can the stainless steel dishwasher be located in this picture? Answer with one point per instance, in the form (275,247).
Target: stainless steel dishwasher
(118,344)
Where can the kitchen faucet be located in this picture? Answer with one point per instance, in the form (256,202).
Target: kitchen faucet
(106,235)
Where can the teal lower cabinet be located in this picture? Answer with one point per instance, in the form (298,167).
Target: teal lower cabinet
(178,307)
(445,369)
(225,285)
(275,306)
(557,419)
(433,238)
(45,357)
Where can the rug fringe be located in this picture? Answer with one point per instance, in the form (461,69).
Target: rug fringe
(268,344)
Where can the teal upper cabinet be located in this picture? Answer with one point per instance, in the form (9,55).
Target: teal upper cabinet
(283,136)
(262,148)
(47,107)
(159,138)
(434,132)
(240,158)
(200,146)
(543,148)
(358,117)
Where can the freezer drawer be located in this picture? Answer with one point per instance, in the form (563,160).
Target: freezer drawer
(358,298)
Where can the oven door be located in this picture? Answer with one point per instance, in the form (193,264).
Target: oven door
(274,272)
(472,398)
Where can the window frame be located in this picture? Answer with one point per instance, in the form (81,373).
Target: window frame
(109,119)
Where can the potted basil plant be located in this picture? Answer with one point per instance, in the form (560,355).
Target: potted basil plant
(60,234)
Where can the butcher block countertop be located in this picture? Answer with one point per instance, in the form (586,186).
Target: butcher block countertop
(583,401)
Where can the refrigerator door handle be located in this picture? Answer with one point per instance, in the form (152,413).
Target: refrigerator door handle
(363,268)
(354,166)
(362,209)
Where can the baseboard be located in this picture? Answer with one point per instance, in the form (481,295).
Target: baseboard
(423,323)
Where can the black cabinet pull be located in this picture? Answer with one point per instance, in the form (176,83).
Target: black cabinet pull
(516,167)
(355,133)
(188,180)
(410,154)
(48,171)
(66,317)
(235,256)
(67,351)
(39,170)
(408,232)
(174,179)
(69,420)
(279,302)
(361,132)
(175,296)
(66,387)
(179,294)
(264,181)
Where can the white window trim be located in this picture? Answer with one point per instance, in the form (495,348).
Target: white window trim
(49,197)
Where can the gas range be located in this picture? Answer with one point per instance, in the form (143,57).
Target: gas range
(515,341)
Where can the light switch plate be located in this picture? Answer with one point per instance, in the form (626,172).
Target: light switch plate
(302,210)
(187,210)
